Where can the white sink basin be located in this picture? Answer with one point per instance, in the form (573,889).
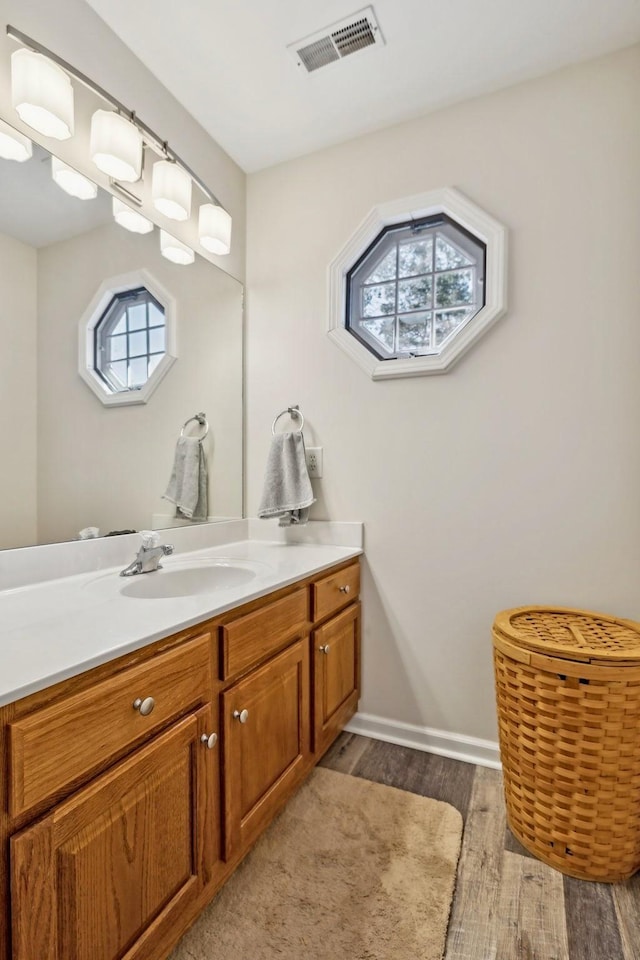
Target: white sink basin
(178,579)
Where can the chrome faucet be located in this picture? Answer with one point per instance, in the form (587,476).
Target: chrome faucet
(147,560)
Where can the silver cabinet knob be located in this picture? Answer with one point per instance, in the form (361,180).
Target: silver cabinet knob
(324,648)
(345,589)
(144,706)
(241,715)
(209,740)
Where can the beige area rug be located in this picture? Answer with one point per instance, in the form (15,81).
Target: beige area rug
(350,870)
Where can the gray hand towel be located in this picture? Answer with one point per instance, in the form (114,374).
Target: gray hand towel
(287,489)
(188,483)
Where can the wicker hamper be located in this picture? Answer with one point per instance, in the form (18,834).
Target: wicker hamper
(568,694)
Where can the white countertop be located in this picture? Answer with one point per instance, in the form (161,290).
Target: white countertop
(57,629)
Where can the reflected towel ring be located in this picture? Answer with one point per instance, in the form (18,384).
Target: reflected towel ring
(200,418)
(294,413)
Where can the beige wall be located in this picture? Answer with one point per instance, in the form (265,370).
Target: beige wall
(514,479)
(108,466)
(17,393)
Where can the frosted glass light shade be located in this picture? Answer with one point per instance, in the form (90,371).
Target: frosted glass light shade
(116,146)
(130,219)
(14,145)
(42,94)
(171,190)
(72,182)
(214,229)
(175,250)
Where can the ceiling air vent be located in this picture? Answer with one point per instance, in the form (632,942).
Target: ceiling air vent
(347,36)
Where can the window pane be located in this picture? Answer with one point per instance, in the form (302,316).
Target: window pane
(449,257)
(138,372)
(156,340)
(454,288)
(449,321)
(116,347)
(119,372)
(414,333)
(121,326)
(414,294)
(154,361)
(378,301)
(385,270)
(137,344)
(383,330)
(415,257)
(156,314)
(137,316)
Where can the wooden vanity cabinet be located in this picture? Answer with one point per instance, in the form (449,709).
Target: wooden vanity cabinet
(335,642)
(266,743)
(336,651)
(118,824)
(108,873)
(111,868)
(60,745)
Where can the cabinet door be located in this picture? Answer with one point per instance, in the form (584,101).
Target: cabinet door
(266,743)
(105,875)
(336,675)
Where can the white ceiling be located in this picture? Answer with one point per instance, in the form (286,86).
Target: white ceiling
(226,60)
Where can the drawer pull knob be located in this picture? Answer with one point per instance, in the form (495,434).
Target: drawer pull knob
(145,706)
(324,648)
(241,715)
(209,740)
(345,589)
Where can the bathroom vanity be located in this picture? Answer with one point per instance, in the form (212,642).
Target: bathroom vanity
(132,790)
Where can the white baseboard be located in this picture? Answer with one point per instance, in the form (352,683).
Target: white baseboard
(486,753)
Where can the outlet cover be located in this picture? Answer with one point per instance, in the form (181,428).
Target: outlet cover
(314,462)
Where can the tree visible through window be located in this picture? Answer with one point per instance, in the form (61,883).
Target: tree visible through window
(130,340)
(417,285)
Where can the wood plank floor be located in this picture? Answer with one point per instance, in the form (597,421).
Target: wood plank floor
(507,905)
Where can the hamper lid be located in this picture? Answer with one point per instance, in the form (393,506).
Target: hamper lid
(571,634)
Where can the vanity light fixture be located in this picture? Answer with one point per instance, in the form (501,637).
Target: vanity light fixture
(214,229)
(171,190)
(128,218)
(116,146)
(72,182)
(42,94)
(14,145)
(175,250)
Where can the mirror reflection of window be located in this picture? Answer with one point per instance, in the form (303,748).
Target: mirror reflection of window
(130,340)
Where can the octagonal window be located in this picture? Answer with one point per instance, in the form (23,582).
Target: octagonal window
(127,338)
(130,340)
(417,285)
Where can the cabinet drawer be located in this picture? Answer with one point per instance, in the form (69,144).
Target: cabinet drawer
(65,743)
(251,639)
(335,591)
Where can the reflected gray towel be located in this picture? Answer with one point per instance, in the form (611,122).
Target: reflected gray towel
(287,489)
(188,483)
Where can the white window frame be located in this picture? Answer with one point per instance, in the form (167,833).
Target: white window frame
(92,317)
(472,218)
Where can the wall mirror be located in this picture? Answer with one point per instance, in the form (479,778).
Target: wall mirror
(70,462)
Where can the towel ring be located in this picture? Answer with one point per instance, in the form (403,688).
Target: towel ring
(200,418)
(294,413)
